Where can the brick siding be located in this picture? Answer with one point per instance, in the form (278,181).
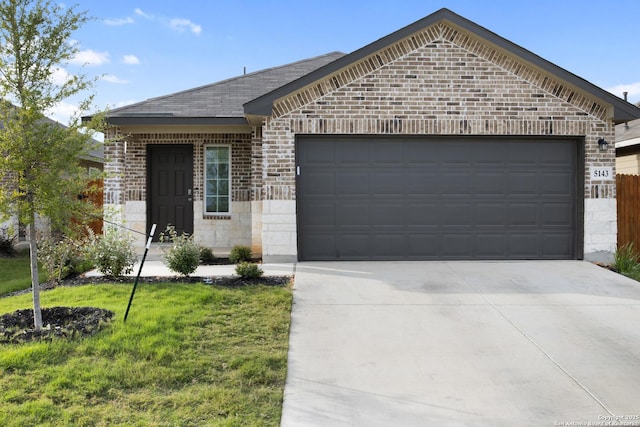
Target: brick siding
(440,81)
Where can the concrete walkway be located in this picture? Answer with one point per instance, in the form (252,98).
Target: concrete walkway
(157,268)
(463,344)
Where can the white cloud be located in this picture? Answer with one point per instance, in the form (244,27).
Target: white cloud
(110,78)
(63,112)
(59,76)
(633,90)
(130,59)
(177,24)
(181,25)
(119,21)
(139,12)
(91,57)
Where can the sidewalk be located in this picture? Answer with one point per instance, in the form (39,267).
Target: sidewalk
(157,268)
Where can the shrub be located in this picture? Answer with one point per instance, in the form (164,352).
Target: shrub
(183,256)
(625,259)
(7,244)
(240,253)
(62,257)
(112,253)
(206,256)
(248,270)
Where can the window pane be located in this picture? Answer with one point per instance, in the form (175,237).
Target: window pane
(217,182)
(223,204)
(211,204)
(223,187)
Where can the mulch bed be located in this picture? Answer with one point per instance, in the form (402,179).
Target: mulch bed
(58,322)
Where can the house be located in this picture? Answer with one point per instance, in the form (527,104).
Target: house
(439,141)
(628,148)
(92,161)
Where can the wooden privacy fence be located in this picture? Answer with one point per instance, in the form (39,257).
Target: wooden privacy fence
(628,199)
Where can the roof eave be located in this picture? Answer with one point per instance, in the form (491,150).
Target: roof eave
(130,120)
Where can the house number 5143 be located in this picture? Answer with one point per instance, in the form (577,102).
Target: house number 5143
(605,173)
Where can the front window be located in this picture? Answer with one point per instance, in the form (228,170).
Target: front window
(217,178)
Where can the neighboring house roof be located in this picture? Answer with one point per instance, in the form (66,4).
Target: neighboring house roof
(217,103)
(628,135)
(621,110)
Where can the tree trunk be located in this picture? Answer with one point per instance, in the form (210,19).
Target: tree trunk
(35,283)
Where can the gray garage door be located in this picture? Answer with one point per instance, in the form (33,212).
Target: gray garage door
(437,198)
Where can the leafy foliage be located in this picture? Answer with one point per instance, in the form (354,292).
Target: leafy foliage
(240,253)
(63,257)
(112,253)
(248,270)
(183,256)
(206,255)
(625,259)
(39,161)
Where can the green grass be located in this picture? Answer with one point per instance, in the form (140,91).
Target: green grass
(189,355)
(15,273)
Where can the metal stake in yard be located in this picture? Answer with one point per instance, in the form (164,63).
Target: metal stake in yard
(135,284)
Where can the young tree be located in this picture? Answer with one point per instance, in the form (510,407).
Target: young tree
(39,159)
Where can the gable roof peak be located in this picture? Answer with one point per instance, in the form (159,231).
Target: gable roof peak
(620,109)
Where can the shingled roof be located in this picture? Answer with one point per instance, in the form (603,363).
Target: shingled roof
(217,103)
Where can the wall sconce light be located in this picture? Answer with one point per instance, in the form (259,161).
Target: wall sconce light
(602,144)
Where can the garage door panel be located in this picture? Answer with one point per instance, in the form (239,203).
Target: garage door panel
(319,246)
(523,184)
(353,246)
(424,245)
(556,245)
(437,198)
(491,245)
(388,214)
(353,213)
(320,183)
(420,182)
(557,214)
(421,214)
(353,183)
(524,245)
(457,215)
(523,214)
(320,214)
(458,245)
(388,183)
(556,183)
(388,245)
(489,183)
(356,152)
(491,214)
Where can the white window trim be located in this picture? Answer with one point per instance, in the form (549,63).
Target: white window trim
(204,178)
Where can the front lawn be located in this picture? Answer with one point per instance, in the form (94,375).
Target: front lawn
(15,273)
(189,355)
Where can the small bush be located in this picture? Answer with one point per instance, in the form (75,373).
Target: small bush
(206,256)
(183,256)
(240,253)
(63,257)
(248,270)
(112,253)
(7,244)
(625,259)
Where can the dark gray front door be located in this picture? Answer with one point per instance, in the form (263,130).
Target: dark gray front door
(170,200)
(438,198)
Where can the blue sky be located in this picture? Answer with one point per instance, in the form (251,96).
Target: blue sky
(148,48)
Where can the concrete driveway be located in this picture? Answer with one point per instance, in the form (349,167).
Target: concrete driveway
(463,343)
